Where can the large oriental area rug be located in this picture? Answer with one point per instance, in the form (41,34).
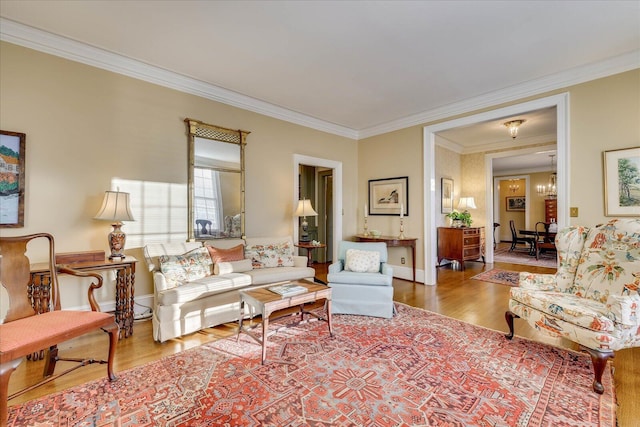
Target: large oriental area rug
(417,369)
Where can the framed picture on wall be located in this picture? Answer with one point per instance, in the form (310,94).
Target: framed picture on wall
(389,196)
(446,195)
(12,179)
(516,204)
(622,182)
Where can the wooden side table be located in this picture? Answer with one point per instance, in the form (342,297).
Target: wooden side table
(266,302)
(125,287)
(309,247)
(394,242)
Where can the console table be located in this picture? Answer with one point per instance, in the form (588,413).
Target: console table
(125,287)
(394,242)
(460,244)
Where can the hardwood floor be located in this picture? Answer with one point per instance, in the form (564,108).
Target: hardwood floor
(456,295)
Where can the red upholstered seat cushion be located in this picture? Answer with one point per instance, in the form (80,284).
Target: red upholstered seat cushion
(235,253)
(34,333)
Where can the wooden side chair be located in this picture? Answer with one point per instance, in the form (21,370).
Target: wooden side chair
(515,239)
(25,332)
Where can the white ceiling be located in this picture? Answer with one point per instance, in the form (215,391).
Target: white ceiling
(353,68)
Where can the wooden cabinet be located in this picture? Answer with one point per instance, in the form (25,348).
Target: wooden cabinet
(550,210)
(461,244)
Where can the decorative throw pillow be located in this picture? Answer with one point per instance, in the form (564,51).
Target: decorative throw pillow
(192,265)
(235,253)
(232,267)
(362,261)
(267,256)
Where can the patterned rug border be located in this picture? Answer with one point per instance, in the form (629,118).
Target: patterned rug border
(496,275)
(607,406)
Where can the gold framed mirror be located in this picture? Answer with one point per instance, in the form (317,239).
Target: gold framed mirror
(216,181)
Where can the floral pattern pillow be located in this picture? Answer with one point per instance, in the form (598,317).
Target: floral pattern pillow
(268,256)
(362,261)
(178,269)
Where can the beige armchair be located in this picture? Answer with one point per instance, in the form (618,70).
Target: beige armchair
(593,298)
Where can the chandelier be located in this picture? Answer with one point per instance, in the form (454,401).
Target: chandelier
(513,187)
(550,190)
(513,126)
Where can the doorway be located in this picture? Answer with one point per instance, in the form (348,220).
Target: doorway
(561,102)
(331,199)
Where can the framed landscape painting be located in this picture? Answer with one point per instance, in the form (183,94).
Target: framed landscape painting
(12,155)
(622,182)
(446,195)
(388,196)
(516,204)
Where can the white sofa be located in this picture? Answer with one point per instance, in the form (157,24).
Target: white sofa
(185,306)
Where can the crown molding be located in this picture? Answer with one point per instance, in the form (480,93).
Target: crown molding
(43,41)
(574,76)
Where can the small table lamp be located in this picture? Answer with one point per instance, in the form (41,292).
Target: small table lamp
(115,208)
(304,210)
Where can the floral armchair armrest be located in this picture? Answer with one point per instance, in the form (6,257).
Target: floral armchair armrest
(624,309)
(538,281)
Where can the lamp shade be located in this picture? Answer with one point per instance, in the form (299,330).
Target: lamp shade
(115,207)
(304,209)
(466,203)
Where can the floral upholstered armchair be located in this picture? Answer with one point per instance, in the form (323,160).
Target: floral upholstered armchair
(593,299)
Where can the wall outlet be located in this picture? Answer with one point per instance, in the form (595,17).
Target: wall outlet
(402,260)
(573,212)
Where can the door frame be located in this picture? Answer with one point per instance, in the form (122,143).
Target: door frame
(560,101)
(300,159)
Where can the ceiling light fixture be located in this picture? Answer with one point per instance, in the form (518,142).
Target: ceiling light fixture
(513,126)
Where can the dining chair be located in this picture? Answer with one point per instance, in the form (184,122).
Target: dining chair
(515,239)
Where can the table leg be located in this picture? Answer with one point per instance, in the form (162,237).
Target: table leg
(328,307)
(309,257)
(240,320)
(413,261)
(265,330)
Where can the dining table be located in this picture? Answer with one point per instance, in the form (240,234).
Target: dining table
(547,237)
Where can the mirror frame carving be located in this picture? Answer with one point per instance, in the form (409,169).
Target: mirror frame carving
(196,128)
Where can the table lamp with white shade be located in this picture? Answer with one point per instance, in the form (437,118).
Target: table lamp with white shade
(304,209)
(115,208)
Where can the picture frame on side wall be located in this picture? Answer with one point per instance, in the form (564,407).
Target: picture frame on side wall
(516,203)
(12,178)
(622,182)
(446,195)
(388,195)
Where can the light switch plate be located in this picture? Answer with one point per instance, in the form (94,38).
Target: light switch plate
(573,212)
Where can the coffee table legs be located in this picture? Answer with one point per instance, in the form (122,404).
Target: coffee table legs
(265,325)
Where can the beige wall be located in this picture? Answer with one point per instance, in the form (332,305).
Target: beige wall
(86,126)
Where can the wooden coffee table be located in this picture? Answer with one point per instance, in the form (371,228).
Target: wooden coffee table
(265,302)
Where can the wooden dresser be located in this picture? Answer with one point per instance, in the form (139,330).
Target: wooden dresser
(460,244)
(550,210)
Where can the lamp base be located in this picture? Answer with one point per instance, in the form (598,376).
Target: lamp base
(117,238)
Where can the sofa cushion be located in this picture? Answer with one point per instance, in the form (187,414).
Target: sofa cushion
(362,261)
(235,253)
(203,287)
(263,276)
(574,309)
(221,268)
(351,277)
(270,255)
(188,266)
